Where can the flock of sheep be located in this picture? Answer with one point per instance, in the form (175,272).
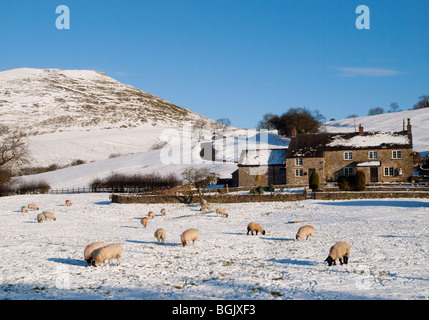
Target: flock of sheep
(98,252)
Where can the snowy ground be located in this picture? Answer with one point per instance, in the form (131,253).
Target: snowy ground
(389,250)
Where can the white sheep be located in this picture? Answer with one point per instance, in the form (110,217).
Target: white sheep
(205,207)
(221,212)
(189,235)
(89,250)
(304,232)
(341,251)
(32,206)
(24,209)
(144,221)
(160,235)
(68,203)
(151,214)
(163,212)
(40,217)
(253,226)
(49,215)
(111,251)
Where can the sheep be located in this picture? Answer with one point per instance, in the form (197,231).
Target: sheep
(151,214)
(40,217)
(144,221)
(206,207)
(253,226)
(111,251)
(68,203)
(203,202)
(90,249)
(304,232)
(341,251)
(24,209)
(222,212)
(189,235)
(33,206)
(49,215)
(160,235)
(163,212)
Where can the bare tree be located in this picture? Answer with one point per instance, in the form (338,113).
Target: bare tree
(198,128)
(394,107)
(375,111)
(221,126)
(265,123)
(13,147)
(200,178)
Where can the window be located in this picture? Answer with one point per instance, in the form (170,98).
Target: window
(298,161)
(299,172)
(348,171)
(348,155)
(373,154)
(388,171)
(397,154)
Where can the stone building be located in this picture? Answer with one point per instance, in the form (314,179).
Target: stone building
(262,167)
(383,156)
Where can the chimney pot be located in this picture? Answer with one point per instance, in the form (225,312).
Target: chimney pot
(408,125)
(360,128)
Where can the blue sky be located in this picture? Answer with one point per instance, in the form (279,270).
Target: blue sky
(237,59)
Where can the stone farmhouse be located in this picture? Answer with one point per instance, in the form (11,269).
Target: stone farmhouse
(383,156)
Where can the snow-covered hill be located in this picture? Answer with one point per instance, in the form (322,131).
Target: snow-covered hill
(54,100)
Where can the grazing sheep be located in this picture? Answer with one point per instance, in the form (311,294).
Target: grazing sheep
(24,209)
(151,214)
(203,202)
(90,249)
(68,203)
(253,226)
(222,212)
(206,207)
(111,251)
(40,217)
(304,232)
(144,221)
(160,235)
(49,215)
(341,251)
(189,235)
(163,212)
(32,206)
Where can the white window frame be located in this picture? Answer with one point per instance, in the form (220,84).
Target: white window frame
(397,154)
(298,162)
(348,155)
(348,171)
(373,155)
(299,172)
(389,170)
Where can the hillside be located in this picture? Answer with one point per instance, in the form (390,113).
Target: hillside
(54,100)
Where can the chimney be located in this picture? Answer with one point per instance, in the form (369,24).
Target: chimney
(408,125)
(294,132)
(360,128)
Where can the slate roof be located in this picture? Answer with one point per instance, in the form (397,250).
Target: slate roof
(313,145)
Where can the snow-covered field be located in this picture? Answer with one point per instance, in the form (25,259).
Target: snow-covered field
(389,250)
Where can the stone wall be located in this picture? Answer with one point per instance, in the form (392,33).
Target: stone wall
(307,164)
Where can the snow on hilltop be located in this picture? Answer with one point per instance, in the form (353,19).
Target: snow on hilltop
(54,100)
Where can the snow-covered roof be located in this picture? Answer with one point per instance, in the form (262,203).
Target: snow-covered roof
(313,145)
(263,157)
(369,140)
